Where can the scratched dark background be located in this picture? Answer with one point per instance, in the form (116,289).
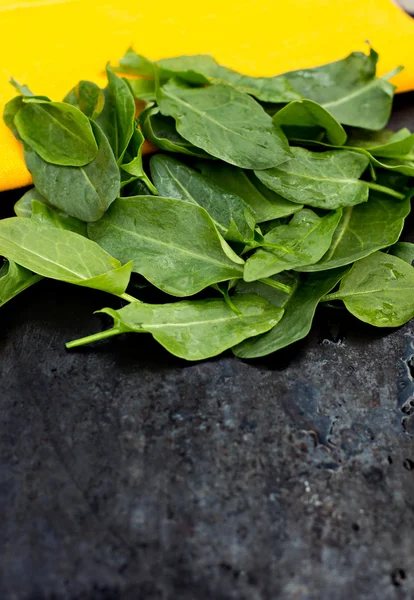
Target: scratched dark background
(127,474)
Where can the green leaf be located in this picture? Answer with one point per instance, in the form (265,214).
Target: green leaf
(348,89)
(62,255)
(11,108)
(305,115)
(136,64)
(193,329)
(403,250)
(60,133)
(363,229)
(13,280)
(386,144)
(48,216)
(264,203)
(231,213)
(162,133)
(225,123)
(267,288)
(142,89)
(202,68)
(297,320)
(173,244)
(303,241)
(33,205)
(117,117)
(23,207)
(81,192)
(326,180)
(134,155)
(87,97)
(378,290)
(134,187)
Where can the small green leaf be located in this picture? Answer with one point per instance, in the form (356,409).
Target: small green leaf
(60,133)
(23,207)
(303,241)
(50,217)
(193,329)
(326,180)
(134,165)
(87,97)
(379,290)
(161,131)
(303,116)
(403,250)
(117,117)
(13,280)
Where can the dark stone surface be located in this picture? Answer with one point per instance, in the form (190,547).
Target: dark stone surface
(126,474)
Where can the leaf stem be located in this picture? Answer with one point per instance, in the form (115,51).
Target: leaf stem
(231,304)
(385,190)
(128,297)
(330,297)
(95,337)
(277,284)
(407,157)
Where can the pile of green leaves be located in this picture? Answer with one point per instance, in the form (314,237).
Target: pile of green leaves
(266,197)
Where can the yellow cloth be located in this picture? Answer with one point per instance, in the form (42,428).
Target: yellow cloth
(51,44)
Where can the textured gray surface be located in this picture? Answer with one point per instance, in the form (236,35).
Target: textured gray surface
(126,474)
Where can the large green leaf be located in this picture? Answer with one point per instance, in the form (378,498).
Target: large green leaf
(379,290)
(297,320)
(61,254)
(231,213)
(264,203)
(161,131)
(363,229)
(326,180)
(60,133)
(193,329)
(81,192)
(301,117)
(117,117)
(301,242)
(87,97)
(225,123)
(173,244)
(13,280)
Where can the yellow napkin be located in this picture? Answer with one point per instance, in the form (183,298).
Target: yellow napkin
(52,44)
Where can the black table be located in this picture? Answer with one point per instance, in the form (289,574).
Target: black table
(127,474)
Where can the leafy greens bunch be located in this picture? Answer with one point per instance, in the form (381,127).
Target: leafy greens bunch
(265,197)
